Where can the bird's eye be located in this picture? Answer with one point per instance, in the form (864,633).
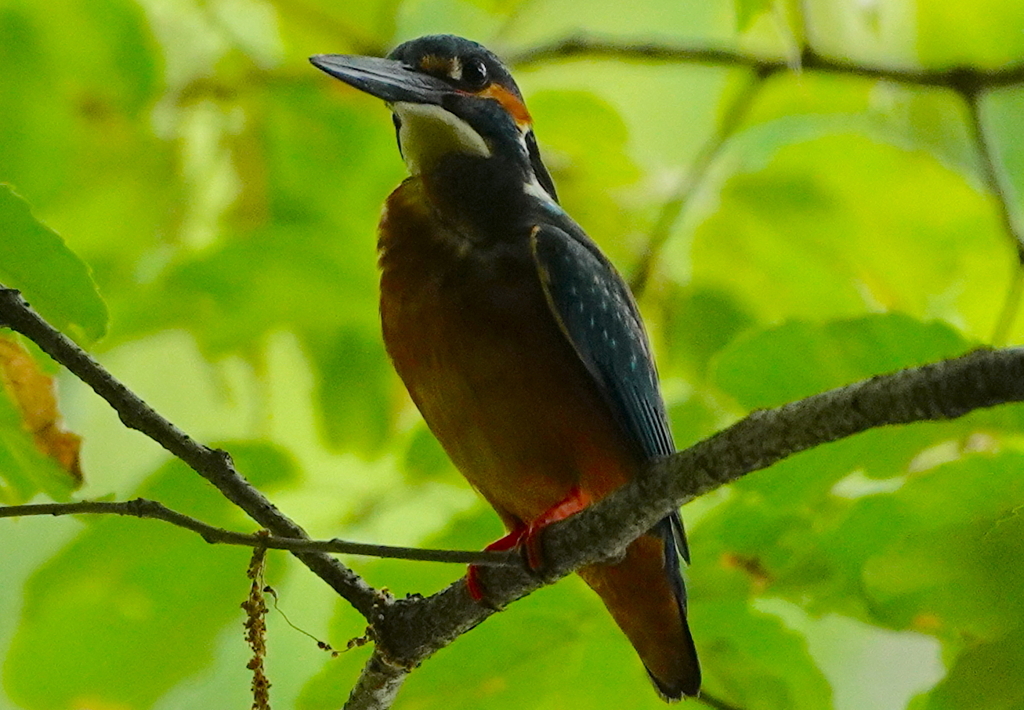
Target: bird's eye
(474,73)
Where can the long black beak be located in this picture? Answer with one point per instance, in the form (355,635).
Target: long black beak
(386,79)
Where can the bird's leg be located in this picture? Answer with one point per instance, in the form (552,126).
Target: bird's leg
(509,542)
(577,500)
(528,537)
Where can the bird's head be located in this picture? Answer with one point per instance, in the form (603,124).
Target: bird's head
(449,96)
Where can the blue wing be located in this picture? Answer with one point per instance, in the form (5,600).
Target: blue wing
(597,313)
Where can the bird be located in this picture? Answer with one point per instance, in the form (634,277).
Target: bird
(515,336)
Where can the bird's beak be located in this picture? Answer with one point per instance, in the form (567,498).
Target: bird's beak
(386,79)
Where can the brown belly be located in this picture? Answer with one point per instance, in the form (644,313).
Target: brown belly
(471,336)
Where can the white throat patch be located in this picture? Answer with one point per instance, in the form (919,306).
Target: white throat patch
(428,133)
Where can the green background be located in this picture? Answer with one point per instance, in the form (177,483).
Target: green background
(216,198)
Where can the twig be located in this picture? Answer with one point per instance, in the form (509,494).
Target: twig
(694,176)
(212,464)
(990,176)
(144,508)
(810,60)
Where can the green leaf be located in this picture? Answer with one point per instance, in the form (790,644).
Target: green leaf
(749,10)
(810,235)
(35,260)
(425,460)
(982,678)
(699,323)
(751,660)
(1003,124)
(962,530)
(354,382)
(798,359)
(984,34)
(143,600)
(588,167)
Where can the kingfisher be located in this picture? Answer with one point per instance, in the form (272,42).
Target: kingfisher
(516,338)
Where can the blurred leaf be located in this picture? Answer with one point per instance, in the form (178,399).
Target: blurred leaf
(322,26)
(33,395)
(796,360)
(1003,123)
(962,531)
(143,600)
(35,260)
(986,34)
(751,661)
(667,20)
(425,460)
(699,323)
(793,239)
(588,166)
(354,382)
(692,420)
(24,469)
(982,678)
(748,10)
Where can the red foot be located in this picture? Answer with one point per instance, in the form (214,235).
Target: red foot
(573,503)
(528,536)
(509,542)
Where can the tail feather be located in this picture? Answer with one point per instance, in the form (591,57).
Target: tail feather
(646,597)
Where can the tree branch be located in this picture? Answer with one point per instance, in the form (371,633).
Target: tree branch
(378,685)
(408,631)
(143,508)
(956,78)
(212,464)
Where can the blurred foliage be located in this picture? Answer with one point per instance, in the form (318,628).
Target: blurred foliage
(221,197)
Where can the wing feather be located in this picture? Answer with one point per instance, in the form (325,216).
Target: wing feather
(595,309)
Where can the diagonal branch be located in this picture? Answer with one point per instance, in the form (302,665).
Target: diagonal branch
(732,117)
(408,631)
(971,95)
(143,508)
(212,464)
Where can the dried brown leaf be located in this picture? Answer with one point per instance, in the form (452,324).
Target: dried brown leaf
(34,394)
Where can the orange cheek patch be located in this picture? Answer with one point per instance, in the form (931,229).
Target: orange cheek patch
(511,102)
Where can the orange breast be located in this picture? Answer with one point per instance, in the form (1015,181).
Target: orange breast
(470,334)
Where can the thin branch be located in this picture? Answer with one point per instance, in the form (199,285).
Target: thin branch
(691,180)
(810,60)
(144,508)
(990,176)
(212,464)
